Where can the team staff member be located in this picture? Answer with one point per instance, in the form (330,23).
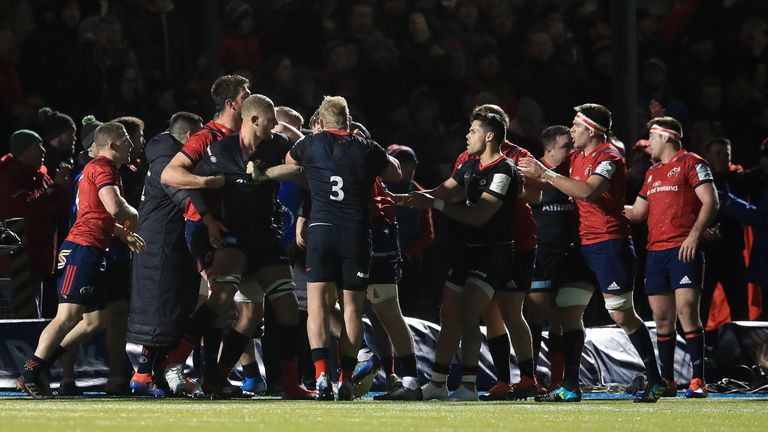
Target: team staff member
(680,202)
(82,292)
(341,169)
(597,181)
(164,275)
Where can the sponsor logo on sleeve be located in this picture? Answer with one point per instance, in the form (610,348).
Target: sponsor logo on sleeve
(703,171)
(500,183)
(606,169)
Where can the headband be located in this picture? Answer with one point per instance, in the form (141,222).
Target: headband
(669,133)
(588,122)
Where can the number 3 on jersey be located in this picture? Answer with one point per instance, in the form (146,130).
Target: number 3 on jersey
(336,184)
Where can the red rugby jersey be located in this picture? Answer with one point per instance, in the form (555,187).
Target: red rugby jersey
(381,204)
(94,225)
(195,149)
(672,202)
(602,219)
(523,226)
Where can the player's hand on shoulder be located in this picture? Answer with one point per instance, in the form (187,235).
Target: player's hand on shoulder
(530,167)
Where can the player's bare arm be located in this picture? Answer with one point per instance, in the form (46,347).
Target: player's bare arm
(588,190)
(707,194)
(179,174)
(119,208)
(476,215)
(638,211)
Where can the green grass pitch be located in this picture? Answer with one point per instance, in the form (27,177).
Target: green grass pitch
(177,415)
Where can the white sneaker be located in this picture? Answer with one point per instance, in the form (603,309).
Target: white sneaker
(429,391)
(463,394)
(174,376)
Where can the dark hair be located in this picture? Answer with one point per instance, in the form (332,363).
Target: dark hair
(493,122)
(550,134)
(667,123)
(597,113)
(183,122)
(492,109)
(226,88)
(717,141)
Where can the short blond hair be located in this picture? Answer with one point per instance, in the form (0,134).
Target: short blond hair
(289,115)
(254,103)
(334,112)
(108,133)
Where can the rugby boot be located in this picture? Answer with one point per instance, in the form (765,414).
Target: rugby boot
(392,383)
(697,389)
(525,388)
(366,368)
(497,392)
(177,382)
(254,386)
(34,381)
(142,385)
(560,394)
(652,392)
(430,391)
(298,392)
(401,393)
(345,392)
(216,386)
(69,388)
(324,388)
(671,389)
(463,394)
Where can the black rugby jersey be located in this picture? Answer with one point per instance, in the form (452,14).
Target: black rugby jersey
(557,218)
(499,178)
(245,205)
(340,168)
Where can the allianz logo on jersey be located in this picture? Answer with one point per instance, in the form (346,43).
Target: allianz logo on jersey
(362,275)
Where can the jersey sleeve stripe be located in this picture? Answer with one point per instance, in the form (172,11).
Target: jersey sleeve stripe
(103,185)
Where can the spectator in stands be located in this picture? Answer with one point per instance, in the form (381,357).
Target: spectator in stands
(755,215)
(26,191)
(724,243)
(239,45)
(58,132)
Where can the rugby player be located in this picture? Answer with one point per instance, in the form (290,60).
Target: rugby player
(488,185)
(597,180)
(341,169)
(101,214)
(679,200)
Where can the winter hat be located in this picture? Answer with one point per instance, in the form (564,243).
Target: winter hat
(89,128)
(402,153)
(54,123)
(22,140)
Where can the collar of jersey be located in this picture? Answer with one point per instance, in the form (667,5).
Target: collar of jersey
(492,163)
(337,132)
